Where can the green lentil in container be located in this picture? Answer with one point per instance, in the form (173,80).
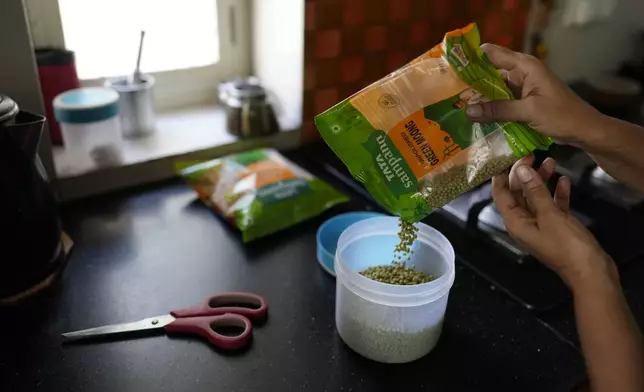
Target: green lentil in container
(396,273)
(387,344)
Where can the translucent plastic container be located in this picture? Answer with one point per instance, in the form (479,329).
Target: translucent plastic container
(90,125)
(383,322)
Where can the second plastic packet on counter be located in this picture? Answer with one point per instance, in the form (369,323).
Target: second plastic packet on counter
(407,138)
(259,191)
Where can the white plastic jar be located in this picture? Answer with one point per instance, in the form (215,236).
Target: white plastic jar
(384,322)
(90,125)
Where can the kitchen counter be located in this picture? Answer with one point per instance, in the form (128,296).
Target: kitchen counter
(144,252)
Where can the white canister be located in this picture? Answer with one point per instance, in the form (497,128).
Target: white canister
(90,125)
(385,322)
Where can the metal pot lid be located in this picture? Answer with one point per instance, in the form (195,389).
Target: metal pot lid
(244,89)
(8,108)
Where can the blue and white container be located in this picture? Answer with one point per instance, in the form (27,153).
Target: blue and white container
(90,125)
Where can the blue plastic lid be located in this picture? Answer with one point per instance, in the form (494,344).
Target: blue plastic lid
(329,233)
(86,105)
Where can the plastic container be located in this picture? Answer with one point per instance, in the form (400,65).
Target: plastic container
(329,232)
(383,322)
(90,125)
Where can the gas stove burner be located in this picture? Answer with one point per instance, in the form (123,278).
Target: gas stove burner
(599,176)
(491,217)
(612,190)
(491,223)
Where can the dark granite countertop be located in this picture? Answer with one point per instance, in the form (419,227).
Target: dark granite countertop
(144,252)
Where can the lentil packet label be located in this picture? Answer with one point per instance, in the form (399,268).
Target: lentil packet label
(407,139)
(260,192)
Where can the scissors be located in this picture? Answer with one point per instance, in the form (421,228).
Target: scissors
(238,310)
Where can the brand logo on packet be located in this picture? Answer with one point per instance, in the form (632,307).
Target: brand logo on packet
(388,101)
(459,54)
(390,164)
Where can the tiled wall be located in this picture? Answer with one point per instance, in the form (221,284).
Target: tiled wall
(349,44)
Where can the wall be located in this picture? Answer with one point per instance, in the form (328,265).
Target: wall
(278,54)
(18,74)
(350,43)
(579,52)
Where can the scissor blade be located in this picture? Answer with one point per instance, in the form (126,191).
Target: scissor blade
(116,329)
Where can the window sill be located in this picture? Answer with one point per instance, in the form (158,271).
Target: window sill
(189,134)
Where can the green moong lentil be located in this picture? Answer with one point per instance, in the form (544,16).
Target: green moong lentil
(396,273)
(438,190)
(446,186)
(386,344)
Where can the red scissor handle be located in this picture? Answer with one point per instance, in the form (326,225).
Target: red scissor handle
(249,305)
(207,327)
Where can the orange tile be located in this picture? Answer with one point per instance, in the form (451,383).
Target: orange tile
(352,41)
(375,38)
(398,36)
(325,98)
(348,89)
(377,12)
(309,16)
(419,34)
(353,12)
(491,25)
(506,41)
(327,43)
(327,73)
(308,110)
(510,5)
(476,8)
(309,76)
(352,69)
(375,66)
(310,132)
(420,9)
(442,9)
(399,10)
(457,21)
(328,14)
(521,21)
(396,59)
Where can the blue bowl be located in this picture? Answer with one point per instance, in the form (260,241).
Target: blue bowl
(329,233)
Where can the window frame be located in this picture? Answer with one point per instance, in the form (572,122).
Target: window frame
(175,88)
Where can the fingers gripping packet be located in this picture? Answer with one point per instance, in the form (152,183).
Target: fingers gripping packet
(260,192)
(407,139)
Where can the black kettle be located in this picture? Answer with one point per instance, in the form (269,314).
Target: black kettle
(30,227)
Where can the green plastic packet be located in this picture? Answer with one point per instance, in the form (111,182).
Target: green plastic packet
(260,192)
(407,139)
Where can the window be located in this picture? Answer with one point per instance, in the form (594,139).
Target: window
(190,45)
(177,37)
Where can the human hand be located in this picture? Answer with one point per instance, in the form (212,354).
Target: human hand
(543,224)
(543,101)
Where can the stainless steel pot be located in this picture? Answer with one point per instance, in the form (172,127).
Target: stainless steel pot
(136,105)
(248,111)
